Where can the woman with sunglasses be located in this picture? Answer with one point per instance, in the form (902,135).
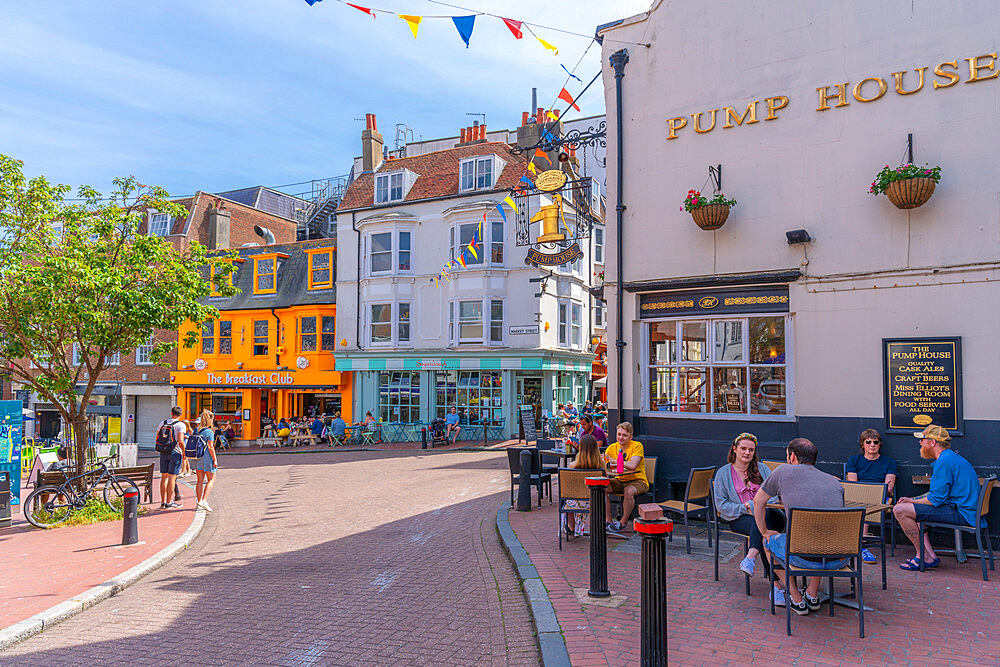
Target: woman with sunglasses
(871,466)
(735,485)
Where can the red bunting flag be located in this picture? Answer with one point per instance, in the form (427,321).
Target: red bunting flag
(515,27)
(566,97)
(366,10)
(540,153)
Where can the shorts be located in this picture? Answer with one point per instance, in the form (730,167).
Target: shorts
(776,545)
(947,513)
(618,486)
(170,464)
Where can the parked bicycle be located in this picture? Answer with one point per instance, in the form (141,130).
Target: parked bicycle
(50,505)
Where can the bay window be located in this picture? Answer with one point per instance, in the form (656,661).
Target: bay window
(381,323)
(387,319)
(470,321)
(390,252)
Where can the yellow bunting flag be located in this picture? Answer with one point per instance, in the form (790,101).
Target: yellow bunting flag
(550,47)
(532,168)
(413,22)
(551,115)
(510,202)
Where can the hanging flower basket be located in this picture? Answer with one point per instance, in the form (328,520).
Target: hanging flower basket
(709,214)
(907,186)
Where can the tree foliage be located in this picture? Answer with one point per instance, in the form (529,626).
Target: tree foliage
(80,274)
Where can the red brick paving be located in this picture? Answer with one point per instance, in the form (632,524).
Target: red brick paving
(42,568)
(339,558)
(714,623)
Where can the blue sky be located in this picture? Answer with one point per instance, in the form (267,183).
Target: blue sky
(211,95)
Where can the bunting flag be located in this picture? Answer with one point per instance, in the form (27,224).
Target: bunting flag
(540,153)
(515,27)
(366,10)
(527,180)
(532,168)
(510,202)
(461,259)
(570,73)
(313,2)
(550,47)
(472,248)
(413,22)
(464,25)
(502,214)
(548,135)
(551,115)
(566,97)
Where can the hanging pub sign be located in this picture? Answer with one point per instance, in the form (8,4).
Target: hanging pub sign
(724,301)
(923,383)
(562,209)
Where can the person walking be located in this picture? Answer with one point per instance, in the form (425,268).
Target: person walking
(206,466)
(171,433)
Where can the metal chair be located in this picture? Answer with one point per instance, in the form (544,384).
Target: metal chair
(830,534)
(699,487)
(870,493)
(573,487)
(981,528)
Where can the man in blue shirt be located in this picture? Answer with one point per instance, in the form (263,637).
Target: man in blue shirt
(952,498)
(338,427)
(451,425)
(316,428)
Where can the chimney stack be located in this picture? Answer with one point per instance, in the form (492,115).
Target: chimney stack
(371,145)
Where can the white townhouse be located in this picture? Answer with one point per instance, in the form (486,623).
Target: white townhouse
(493,337)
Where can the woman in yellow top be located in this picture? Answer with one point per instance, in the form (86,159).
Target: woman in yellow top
(632,481)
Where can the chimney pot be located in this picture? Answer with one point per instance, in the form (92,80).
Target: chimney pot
(370,122)
(461,139)
(524,118)
(540,115)
(482,131)
(556,112)
(468,133)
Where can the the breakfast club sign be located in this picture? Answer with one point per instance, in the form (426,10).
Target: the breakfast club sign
(714,302)
(923,383)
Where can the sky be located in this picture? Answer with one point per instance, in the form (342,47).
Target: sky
(211,95)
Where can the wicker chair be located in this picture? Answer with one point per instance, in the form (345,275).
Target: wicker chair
(699,487)
(772,465)
(981,529)
(870,493)
(823,533)
(573,487)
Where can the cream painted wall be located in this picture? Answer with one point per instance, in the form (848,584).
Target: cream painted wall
(811,169)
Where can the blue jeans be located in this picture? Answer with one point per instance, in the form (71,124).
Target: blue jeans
(777,545)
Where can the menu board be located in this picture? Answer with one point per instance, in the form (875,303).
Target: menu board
(527,415)
(923,383)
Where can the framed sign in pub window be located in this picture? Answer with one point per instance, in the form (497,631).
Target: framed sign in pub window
(922,379)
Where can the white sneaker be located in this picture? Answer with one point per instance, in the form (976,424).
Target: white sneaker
(205,506)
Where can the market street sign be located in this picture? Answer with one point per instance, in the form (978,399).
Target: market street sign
(923,383)
(529,329)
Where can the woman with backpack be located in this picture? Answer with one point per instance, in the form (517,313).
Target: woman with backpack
(205,465)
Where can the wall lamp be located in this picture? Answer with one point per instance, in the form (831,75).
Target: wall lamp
(798,236)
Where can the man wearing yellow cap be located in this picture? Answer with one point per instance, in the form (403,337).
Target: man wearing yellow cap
(952,498)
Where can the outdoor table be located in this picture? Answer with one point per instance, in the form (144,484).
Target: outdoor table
(845,599)
(564,457)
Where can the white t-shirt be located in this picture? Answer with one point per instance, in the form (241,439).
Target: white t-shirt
(179,431)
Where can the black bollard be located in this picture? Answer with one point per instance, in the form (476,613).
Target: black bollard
(653,601)
(423,438)
(524,481)
(130,517)
(598,538)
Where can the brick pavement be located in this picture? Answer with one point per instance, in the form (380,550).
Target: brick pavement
(42,568)
(714,623)
(329,558)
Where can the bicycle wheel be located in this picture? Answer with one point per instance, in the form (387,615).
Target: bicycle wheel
(46,512)
(115,489)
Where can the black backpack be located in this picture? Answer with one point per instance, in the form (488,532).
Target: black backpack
(166,439)
(194,446)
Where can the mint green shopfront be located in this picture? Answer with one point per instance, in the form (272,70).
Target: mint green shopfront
(416,387)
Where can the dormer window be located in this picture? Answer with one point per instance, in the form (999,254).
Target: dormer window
(159,224)
(389,187)
(477,173)
(265,272)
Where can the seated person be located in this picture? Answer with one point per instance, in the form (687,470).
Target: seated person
(587,426)
(736,484)
(871,466)
(800,484)
(571,410)
(62,460)
(230,433)
(588,409)
(588,458)
(316,427)
(451,424)
(953,496)
(632,481)
(367,421)
(338,427)
(564,421)
(283,429)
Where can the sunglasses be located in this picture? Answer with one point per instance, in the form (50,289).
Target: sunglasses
(870,442)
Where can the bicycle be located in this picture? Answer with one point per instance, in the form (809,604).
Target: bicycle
(50,505)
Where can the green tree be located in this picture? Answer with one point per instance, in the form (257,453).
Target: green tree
(80,274)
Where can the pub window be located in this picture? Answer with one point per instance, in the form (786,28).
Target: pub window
(321,269)
(496,248)
(225,337)
(307,334)
(208,337)
(726,366)
(260,338)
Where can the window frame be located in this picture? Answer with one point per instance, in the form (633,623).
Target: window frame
(316,252)
(369,311)
(567,336)
(711,364)
(213,264)
(146,349)
(267,338)
(387,177)
(598,244)
(114,360)
(395,251)
(155,218)
(278,258)
(496,166)
(487,247)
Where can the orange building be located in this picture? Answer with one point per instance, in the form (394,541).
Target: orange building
(270,353)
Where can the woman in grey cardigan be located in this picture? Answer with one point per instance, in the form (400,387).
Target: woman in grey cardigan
(735,486)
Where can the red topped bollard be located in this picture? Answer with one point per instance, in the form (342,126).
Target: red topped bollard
(653,602)
(598,538)
(130,518)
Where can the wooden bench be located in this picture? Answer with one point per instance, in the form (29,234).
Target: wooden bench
(141,475)
(269,441)
(303,438)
